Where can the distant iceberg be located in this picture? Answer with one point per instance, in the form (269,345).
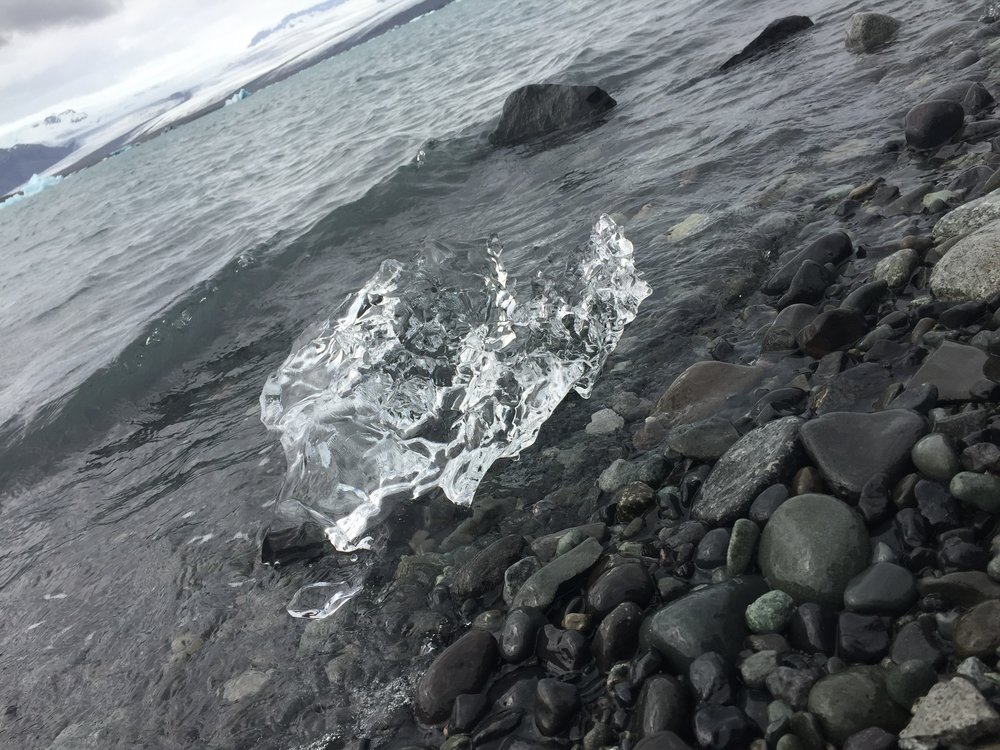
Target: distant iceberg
(237,97)
(438,368)
(34,186)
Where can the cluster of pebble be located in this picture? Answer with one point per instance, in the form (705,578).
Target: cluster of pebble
(807,554)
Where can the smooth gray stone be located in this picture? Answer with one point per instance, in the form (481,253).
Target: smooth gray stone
(539,590)
(954,368)
(852,700)
(812,547)
(884,589)
(709,619)
(866,32)
(935,457)
(851,448)
(979,490)
(705,441)
(768,455)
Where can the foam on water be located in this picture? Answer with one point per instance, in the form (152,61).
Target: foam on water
(436,370)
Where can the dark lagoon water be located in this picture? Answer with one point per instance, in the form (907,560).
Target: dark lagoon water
(145,300)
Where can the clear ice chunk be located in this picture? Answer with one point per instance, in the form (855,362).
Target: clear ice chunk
(435,370)
(317,601)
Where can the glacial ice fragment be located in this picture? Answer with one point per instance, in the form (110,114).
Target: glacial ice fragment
(34,186)
(435,370)
(238,97)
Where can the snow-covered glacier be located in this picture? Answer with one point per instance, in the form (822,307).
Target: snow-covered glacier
(436,369)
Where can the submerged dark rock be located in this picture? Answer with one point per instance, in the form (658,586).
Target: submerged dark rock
(775,33)
(461,668)
(538,109)
(933,124)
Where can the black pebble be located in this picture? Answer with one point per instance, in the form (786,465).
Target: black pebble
(556,703)
(813,629)
(712,679)
(863,638)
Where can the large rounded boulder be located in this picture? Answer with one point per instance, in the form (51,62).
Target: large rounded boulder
(538,109)
(933,124)
(812,547)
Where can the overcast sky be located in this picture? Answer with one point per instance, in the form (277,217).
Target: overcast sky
(52,51)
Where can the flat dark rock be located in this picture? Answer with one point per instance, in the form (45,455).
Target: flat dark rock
(851,448)
(765,456)
(461,668)
(710,619)
(831,331)
(954,369)
(485,571)
(538,109)
(775,33)
(835,248)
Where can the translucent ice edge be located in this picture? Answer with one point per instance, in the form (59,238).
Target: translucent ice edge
(34,186)
(436,369)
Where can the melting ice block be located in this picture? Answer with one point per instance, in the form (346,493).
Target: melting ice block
(437,368)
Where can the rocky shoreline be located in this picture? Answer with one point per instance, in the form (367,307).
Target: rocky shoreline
(803,549)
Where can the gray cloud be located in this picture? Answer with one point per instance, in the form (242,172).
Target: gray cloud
(35,15)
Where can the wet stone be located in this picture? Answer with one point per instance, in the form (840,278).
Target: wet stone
(709,619)
(932,124)
(624,583)
(896,269)
(562,651)
(461,668)
(952,713)
(830,248)
(467,712)
(867,32)
(874,503)
(872,738)
(937,507)
(977,632)
(662,741)
(919,641)
(830,331)
(486,570)
(813,629)
(633,501)
(812,547)
(851,448)
(721,727)
(978,490)
(539,590)
(909,681)
(767,502)
(792,685)
(520,634)
(855,699)
(755,668)
(786,326)
(650,469)
(516,575)
(865,296)
(617,637)
(935,457)
(763,457)
(954,368)
(770,613)
(663,705)
(556,704)
(705,441)
(712,679)
(703,389)
(921,399)
(856,389)
(742,546)
(712,549)
(981,458)
(884,589)
(863,638)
